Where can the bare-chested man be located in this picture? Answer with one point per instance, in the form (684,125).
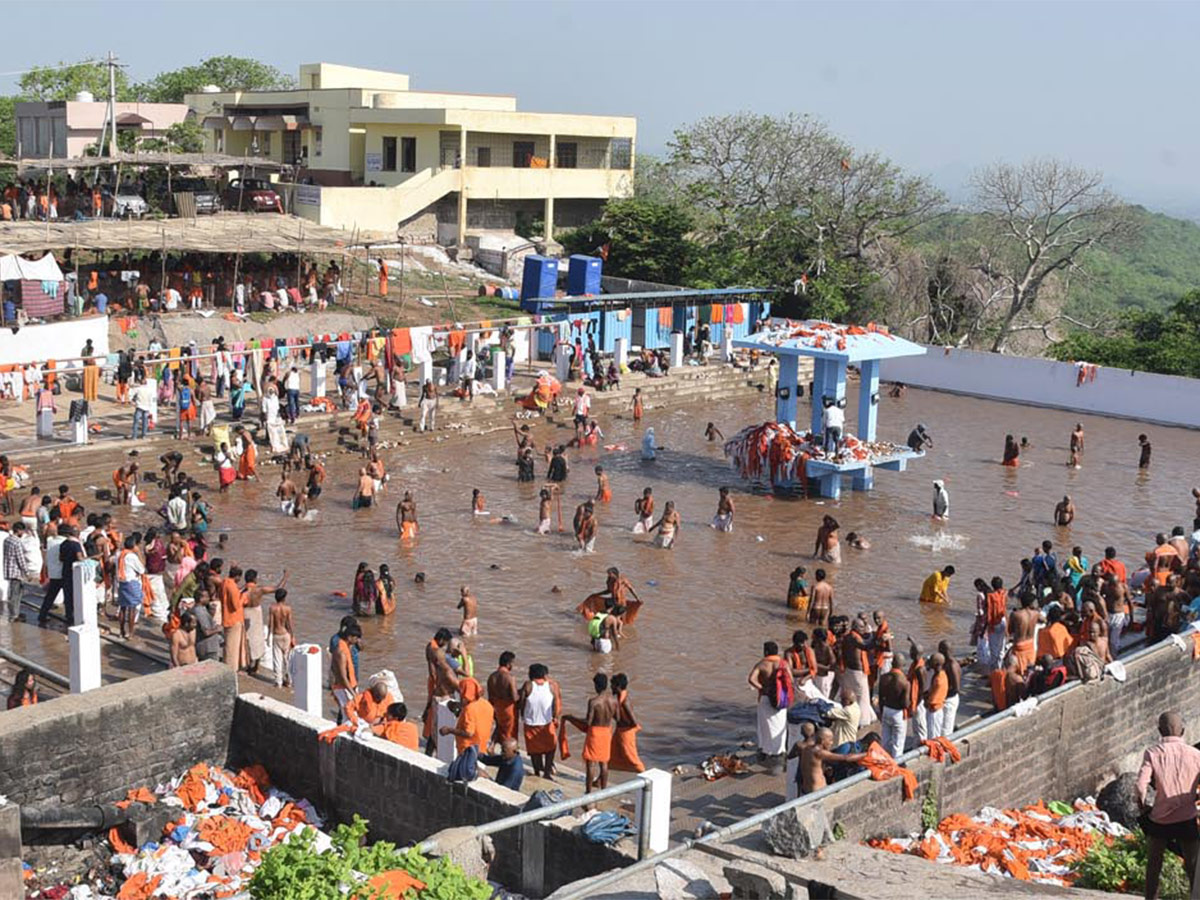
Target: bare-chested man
(183,641)
(316,476)
(826,661)
(644,508)
(442,684)
(723,520)
(771,722)
(252,608)
(1022,624)
(820,604)
(470,616)
(283,638)
(1077,438)
(585,527)
(826,546)
(286,492)
(893,708)
(364,494)
(953,670)
(814,758)
(1116,597)
(502,694)
(1064,512)
(406,516)
(598,724)
(667,527)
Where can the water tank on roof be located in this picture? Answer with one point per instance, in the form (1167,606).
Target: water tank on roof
(210,89)
(84,97)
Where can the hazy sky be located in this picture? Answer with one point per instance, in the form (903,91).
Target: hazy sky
(939,87)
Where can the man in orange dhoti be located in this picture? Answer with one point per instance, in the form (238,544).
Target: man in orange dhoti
(502,693)
(539,705)
(624,751)
(598,724)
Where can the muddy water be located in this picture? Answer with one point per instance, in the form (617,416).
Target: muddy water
(712,601)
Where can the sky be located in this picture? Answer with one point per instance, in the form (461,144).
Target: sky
(940,88)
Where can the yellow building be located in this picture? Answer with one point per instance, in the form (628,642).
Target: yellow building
(381,157)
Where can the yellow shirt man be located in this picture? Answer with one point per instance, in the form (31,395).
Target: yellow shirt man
(936,586)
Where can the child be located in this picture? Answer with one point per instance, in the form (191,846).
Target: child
(478,504)
(603,491)
(637,404)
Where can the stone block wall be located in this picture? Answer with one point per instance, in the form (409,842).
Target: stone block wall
(404,795)
(1071,745)
(92,748)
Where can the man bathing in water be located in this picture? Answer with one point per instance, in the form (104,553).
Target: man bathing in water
(723,520)
(364,495)
(826,547)
(598,724)
(603,491)
(585,528)
(667,527)
(470,617)
(1064,512)
(286,492)
(644,507)
(820,604)
(712,433)
(406,517)
(544,504)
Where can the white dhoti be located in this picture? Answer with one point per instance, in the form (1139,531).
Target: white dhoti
(824,683)
(772,728)
(443,717)
(920,728)
(991,649)
(160,603)
(894,730)
(949,714)
(256,637)
(643,525)
(277,435)
(856,680)
(1117,623)
(934,724)
(723,523)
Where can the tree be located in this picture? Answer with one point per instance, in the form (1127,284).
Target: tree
(1039,222)
(642,239)
(182,137)
(64,81)
(230,73)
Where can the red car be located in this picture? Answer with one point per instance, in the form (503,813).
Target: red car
(253,195)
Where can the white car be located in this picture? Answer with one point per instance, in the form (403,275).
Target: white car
(127,203)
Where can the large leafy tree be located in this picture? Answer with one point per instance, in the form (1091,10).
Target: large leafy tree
(643,239)
(230,73)
(64,81)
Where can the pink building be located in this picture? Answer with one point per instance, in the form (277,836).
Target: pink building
(65,128)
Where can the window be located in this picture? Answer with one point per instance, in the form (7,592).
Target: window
(522,154)
(316,142)
(566,155)
(389,154)
(408,154)
(264,143)
(219,140)
(483,157)
(622,153)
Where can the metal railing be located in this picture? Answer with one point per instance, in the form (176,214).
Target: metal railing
(640,785)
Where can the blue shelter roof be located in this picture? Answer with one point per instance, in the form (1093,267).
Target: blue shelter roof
(829,340)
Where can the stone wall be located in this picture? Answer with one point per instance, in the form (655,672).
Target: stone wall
(404,794)
(1072,744)
(93,747)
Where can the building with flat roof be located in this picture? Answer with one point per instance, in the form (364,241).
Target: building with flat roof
(62,129)
(380,156)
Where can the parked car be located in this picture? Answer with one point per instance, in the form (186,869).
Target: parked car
(124,203)
(208,198)
(253,195)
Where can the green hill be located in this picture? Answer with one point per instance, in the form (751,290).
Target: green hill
(1151,272)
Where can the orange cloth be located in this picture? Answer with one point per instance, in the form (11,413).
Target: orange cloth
(393,885)
(139,886)
(624,750)
(478,717)
(999,696)
(1054,640)
(598,745)
(364,706)
(408,530)
(1023,653)
(939,688)
(140,795)
(1195,645)
(564,749)
(914,686)
(255,780)
(119,844)
(506,719)
(997,606)
(401,341)
(248,460)
(540,738)
(403,733)
(225,834)
(231,603)
(329,735)
(883,767)
(941,748)
(191,790)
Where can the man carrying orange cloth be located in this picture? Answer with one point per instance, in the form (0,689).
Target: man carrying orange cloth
(598,723)
(540,704)
(1022,625)
(372,705)
(475,720)
(502,693)
(394,728)
(248,461)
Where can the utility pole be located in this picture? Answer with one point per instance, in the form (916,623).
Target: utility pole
(111,62)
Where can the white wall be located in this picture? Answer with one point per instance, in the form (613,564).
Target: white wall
(1165,399)
(56,340)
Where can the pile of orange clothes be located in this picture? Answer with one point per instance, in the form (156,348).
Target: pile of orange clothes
(212,847)
(1037,843)
(775,452)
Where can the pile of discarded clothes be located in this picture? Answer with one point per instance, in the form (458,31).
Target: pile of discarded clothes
(776,453)
(1037,843)
(225,823)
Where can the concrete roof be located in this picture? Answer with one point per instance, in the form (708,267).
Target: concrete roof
(829,340)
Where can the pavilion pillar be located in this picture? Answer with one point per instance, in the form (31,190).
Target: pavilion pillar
(785,392)
(820,378)
(868,399)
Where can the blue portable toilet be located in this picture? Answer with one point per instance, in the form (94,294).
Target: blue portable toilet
(583,275)
(538,281)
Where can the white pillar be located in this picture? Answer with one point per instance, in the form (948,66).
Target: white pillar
(621,353)
(676,349)
(306,679)
(45,423)
(79,430)
(727,343)
(316,379)
(87,595)
(499,369)
(85,658)
(657,820)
